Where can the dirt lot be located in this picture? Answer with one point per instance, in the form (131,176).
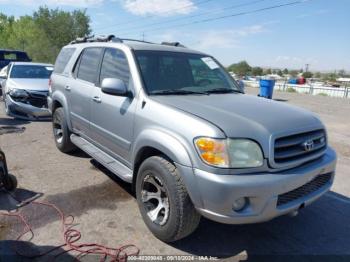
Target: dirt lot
(107,213)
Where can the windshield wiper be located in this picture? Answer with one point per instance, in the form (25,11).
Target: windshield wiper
(178,92)
(223,91)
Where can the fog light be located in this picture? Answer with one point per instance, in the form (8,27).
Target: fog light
(239,204)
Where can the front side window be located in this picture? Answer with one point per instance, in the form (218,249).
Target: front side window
(183,73)
(115,65)
(89,64)
(31,71)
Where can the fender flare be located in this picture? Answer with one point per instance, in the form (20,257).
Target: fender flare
(164,142)
(59,97)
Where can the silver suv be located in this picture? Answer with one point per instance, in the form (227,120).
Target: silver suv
(174,123)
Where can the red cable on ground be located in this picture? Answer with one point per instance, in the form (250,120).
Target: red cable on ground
(71,237)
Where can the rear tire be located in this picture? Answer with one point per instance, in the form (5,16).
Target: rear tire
(164,203)
(10,183)
(61,132)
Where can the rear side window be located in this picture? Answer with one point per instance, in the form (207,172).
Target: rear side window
(63,59)
(10,56)
(89,64)
(14,56)
(115,65)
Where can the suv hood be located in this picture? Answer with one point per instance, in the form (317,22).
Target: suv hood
(245,116)
(29,84)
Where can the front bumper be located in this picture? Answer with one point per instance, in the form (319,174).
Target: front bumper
(26,111)
(213,195)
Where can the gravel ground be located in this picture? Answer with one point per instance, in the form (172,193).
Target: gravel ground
(106,211)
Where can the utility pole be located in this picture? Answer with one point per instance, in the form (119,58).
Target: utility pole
(307,67)
(143,36)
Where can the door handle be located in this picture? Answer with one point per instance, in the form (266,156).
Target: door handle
(67,88)
(97,99)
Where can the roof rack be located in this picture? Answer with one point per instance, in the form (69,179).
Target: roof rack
(136,40)
(112,38)
(91,39)
(177,44)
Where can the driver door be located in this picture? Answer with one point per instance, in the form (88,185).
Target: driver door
(112,117)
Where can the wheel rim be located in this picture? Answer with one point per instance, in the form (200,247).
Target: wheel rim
(154,197)
(57,130)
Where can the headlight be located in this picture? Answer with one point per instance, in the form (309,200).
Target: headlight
(18,93)
(229,153)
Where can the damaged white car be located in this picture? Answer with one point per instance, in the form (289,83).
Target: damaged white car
(26,89)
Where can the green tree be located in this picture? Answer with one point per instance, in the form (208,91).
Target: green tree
(329,77)
(279,72)
(294,73)
(241,69)
(257,71)
(342,73)
(318,75)
(285,71)
(268,71)
(307,74)
(44,33)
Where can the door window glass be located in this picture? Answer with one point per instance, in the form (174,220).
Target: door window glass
(89,64)
(115,65)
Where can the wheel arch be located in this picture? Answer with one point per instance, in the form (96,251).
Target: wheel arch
(155,142)
(59,100)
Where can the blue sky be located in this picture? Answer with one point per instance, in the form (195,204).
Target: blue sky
(314,32)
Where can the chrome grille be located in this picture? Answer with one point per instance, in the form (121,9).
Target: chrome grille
(299,147)
(304,190)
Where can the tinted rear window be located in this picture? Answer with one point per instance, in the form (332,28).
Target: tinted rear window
(89,64)
(14,56)
(63,59)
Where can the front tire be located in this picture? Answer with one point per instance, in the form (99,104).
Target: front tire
(61,132)
(164,203)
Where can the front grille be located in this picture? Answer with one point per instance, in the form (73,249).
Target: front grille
(299,146)
(304,190)
(38,99)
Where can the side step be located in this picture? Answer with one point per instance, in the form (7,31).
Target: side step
(104,159)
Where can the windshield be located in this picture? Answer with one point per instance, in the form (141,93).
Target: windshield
(31,71)
(183,73)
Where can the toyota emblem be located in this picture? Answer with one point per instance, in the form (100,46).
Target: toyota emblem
(308,145)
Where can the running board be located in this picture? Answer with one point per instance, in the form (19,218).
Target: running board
(104,159)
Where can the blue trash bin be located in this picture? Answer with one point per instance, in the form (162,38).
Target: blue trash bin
(266,88)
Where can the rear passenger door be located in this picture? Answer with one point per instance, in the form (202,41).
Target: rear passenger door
(85,74)
(112,117)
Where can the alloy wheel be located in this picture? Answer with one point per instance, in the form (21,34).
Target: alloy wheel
(155,199)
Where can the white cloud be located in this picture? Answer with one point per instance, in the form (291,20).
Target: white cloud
(293,61)
(207,40)
(76,3)
(159,7)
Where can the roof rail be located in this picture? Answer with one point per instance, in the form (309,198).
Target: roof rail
(177,44)
(136,40)
(91,39)
(112,38)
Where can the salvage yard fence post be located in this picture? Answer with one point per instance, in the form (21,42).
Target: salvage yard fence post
(311,89)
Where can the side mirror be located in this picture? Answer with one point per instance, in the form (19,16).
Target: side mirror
(114,86)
